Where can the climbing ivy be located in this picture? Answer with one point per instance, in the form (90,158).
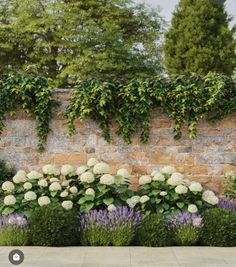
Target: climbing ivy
(185,99)
(32,94)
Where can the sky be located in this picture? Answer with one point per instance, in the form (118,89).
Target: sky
(167,7)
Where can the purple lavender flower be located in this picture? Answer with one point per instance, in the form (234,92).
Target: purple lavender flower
(183,219)
(15,221)
(227,204)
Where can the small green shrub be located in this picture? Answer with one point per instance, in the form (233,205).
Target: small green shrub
(187,236)
(219,228)
(229,184)
(51,225)
(152,232)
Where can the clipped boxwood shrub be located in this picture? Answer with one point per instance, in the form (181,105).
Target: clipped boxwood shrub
(52,225)
(152,232)
(219,228)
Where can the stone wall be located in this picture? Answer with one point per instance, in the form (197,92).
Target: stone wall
(205,159)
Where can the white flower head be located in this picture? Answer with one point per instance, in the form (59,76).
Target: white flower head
(101,168)
(195,187)
(43,183)
(65,183)
(34,175)
(54,179)
(20,177)
(107,179)
(67,170)
(111,208)
(158,177)
(163,193)
(175,179)
(181,189)
(9,200)
(81,169)
(207,193)
(135,199)
(92,161)
(124,173)
(8,186)
(90,192)
(74,190)
(30,195)
(51,170)
(168,170)
(55,187)
(64,193)
(145,179)
(27,185)
(67,204)
(131,203)
(87,177)
(187,182)
(44,201)
(154,173)
(213,200)
(144,199)
(192,208)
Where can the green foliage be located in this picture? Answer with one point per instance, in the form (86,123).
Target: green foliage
(187,235)
(30,92)
(199,39)
(219,228)
(6,171)
(13,237)
(70,40)
(229,184)
(152,232)
(185,99)
(51,225)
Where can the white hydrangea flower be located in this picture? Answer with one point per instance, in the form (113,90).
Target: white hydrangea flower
(64,194)
(43,183)
(107,179)
(65,183)
(168,170)
(144,199)
(154,173)
(213,200)
(207,193)
(181,189)
(135,199)
(27,185)
(67,169)
(111,208)
(124,173)
(195,187)
(54,179)
(92,161)
(51,170)
(145,179)
(158,177)
(67,204)
(175,179)
(101,168)
(30,195)
(74,190)
(81,170)
(8,186)
(34,175)
(87,177)
(9,200)
(20,177)
(90,192)
(55,187)
(131,203)
(44,201)
(163,193)
(187,182)
(192,208)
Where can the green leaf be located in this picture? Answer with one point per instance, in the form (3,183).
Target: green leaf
(108,201)
(7,211)
(180,205)
(88,206)
(53,194)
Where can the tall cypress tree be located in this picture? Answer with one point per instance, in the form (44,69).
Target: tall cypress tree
(199,39)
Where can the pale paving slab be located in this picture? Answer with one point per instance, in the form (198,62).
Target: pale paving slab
(123,257)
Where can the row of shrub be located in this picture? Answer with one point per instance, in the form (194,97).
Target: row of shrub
(52,225)
(185,99)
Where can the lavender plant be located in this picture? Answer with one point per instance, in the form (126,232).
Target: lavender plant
(103,228)
(227,204)
(13,230)
(185,228)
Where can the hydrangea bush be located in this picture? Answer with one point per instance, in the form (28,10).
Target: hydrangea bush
(92,186)
(167,191)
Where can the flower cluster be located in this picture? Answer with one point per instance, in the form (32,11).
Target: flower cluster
(13,221)
(183,219)
(227,204)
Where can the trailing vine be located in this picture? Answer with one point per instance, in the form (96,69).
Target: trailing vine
(185,99)
(33,94)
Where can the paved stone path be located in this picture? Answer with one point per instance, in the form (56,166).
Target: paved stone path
(122,257)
